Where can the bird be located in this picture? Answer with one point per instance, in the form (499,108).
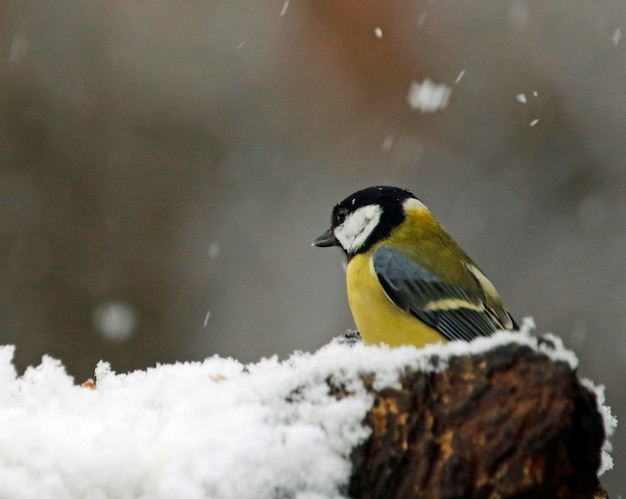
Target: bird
(408,281)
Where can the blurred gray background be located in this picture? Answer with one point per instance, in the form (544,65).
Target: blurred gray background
(164,167)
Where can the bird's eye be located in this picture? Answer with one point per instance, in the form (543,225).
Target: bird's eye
(340,216)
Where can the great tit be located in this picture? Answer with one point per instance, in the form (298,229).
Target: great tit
(409,282)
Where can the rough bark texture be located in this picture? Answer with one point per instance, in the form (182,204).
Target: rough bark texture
(507,423)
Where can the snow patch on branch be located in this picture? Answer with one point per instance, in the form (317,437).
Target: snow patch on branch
(216,428)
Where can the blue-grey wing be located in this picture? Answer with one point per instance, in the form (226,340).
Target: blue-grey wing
(457,313)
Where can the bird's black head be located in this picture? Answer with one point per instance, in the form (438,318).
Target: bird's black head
(364,218)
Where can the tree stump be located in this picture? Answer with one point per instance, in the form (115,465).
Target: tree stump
(510,422)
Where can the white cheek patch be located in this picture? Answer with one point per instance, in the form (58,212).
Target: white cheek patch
(357,227)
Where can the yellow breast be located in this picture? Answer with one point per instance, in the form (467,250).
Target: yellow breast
(377,318)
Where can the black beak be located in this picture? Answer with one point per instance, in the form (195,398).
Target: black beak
(326,239)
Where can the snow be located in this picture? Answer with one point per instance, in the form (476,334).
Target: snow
(387,143)
(214,250)
(421,20)
(521,98)
(216,428)
(19,49)
(617,36)
(115,320)
(610,423)
(428,96)
(378,32)
(210,429)
(206,318)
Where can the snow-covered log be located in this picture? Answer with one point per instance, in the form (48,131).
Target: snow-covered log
(499,417)
(509,422)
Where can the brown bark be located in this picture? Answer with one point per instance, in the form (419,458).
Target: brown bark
(507,423)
